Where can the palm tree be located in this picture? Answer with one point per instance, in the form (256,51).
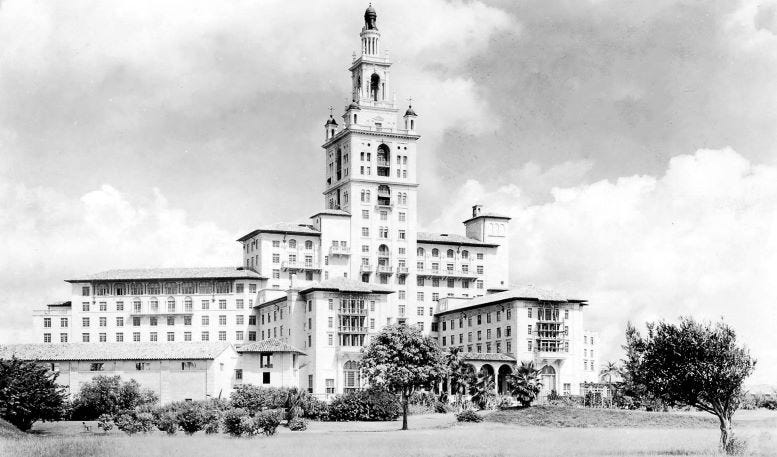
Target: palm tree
(609,371)
(482,390)
(461,373)
(525,383)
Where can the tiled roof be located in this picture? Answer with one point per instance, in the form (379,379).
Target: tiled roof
(488,356)
(283,227)
(492,215)
(529,292)
(449,238)
(114,351)
(332,212)
(171,273)
(59,303)
(269,345)
(347,285)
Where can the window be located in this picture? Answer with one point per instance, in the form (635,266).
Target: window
(119,337)
(85,322)
(85,291)
(47,322)
(85,337)
(365,231)
(47,337)
(97,366)
(63,322)
(119,306)
(170,336)
(420,296)
(276,258)
(420,311)
(222,335)
(103,306)
(136,336)
(351,376)
(152,321)
(251,336)
(142,366)
(222,304)
(63,337)
(186,366)
(365,214)
(508,331)
(222,319)
(119,322)
(170,320)
(401,234)
(85,306)
(103,321)
(265,360)
(528,345)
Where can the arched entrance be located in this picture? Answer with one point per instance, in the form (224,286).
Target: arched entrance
(548,377)
(502,385)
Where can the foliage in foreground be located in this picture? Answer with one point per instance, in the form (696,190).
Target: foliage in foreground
(238,422)
(468,415)
(364,405)
(525,383)
(296,402)
(29,393)
(691,364)
(109,395)
(401,359)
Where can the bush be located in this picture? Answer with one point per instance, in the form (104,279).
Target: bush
(131,422)
(167,422)
(468,415)
(234,422)
(364,405)
(504,401)
(28,393)
(267,422)
(191,418)
(736,446)
(105,422)
(254,398)
(298,425)
(315,409)
(108,395)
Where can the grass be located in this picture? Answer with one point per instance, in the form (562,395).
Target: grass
(9,431)
(559,416)
(430,435)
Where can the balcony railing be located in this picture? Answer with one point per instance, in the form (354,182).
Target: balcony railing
(402,270)
(339,250)
(288,265)
(446,273)
(385,269)
(384,163)
(344,329)
(365,268)
(354,311)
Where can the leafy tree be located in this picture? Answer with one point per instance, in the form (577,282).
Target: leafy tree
(108,395)
(482,389)
(460,373)
(525,383)
(28,393)
(401,360)
(693,364)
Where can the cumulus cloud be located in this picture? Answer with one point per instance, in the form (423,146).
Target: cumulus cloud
(697,240)
(48,238)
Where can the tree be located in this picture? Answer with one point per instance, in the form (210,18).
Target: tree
(28,393)
(482,389)
(400,359)
(608,371)
(525,383)
(460,373)
(693,364)
(108,395)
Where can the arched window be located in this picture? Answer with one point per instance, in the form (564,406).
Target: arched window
(355,118)
(374,86)
(153,305)
(170,304)
(351,375)
(383,251)
(384,195)
(420,252)
(187,304)
(293,244)
(449,253)
(435,252)
(339,163)
(308,245)
(465,254)
(368,196)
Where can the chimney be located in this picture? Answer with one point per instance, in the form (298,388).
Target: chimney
(476,210)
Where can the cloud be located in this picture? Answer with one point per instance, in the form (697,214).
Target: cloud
(697,240)
(48,238)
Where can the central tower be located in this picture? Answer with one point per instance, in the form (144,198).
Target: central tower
(371,172)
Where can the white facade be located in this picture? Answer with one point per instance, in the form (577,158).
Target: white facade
(327,285)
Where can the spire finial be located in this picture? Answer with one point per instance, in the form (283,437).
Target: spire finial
(331,110)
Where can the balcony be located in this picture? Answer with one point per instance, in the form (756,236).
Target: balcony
(146,312)
(402,270)
(343,329)
(365,268)
(383,163)
(353,311)
(288,265)
(446,273)
(385,269)
(339,250)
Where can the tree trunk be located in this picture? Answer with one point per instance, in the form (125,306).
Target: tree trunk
(405,401)
(725,430)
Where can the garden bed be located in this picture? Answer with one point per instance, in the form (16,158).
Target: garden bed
(565,416)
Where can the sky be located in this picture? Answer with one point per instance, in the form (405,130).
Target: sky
(634,144)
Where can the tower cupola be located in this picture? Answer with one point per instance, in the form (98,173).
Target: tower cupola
(351,115)
(330,128)
(410,119)
(370,34)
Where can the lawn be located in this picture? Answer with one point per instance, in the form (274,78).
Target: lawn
(430,435)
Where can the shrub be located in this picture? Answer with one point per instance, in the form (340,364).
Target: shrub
(191,418)
(167,422)
(504,401)
(234,423)
(736,446)
(298,425)
(364,405)
(105,422)
(212,418)
(316,409)
(131,422)
(108,395)
(768,403)
(254,398)
(267,422)
(468,415)
(28,393)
